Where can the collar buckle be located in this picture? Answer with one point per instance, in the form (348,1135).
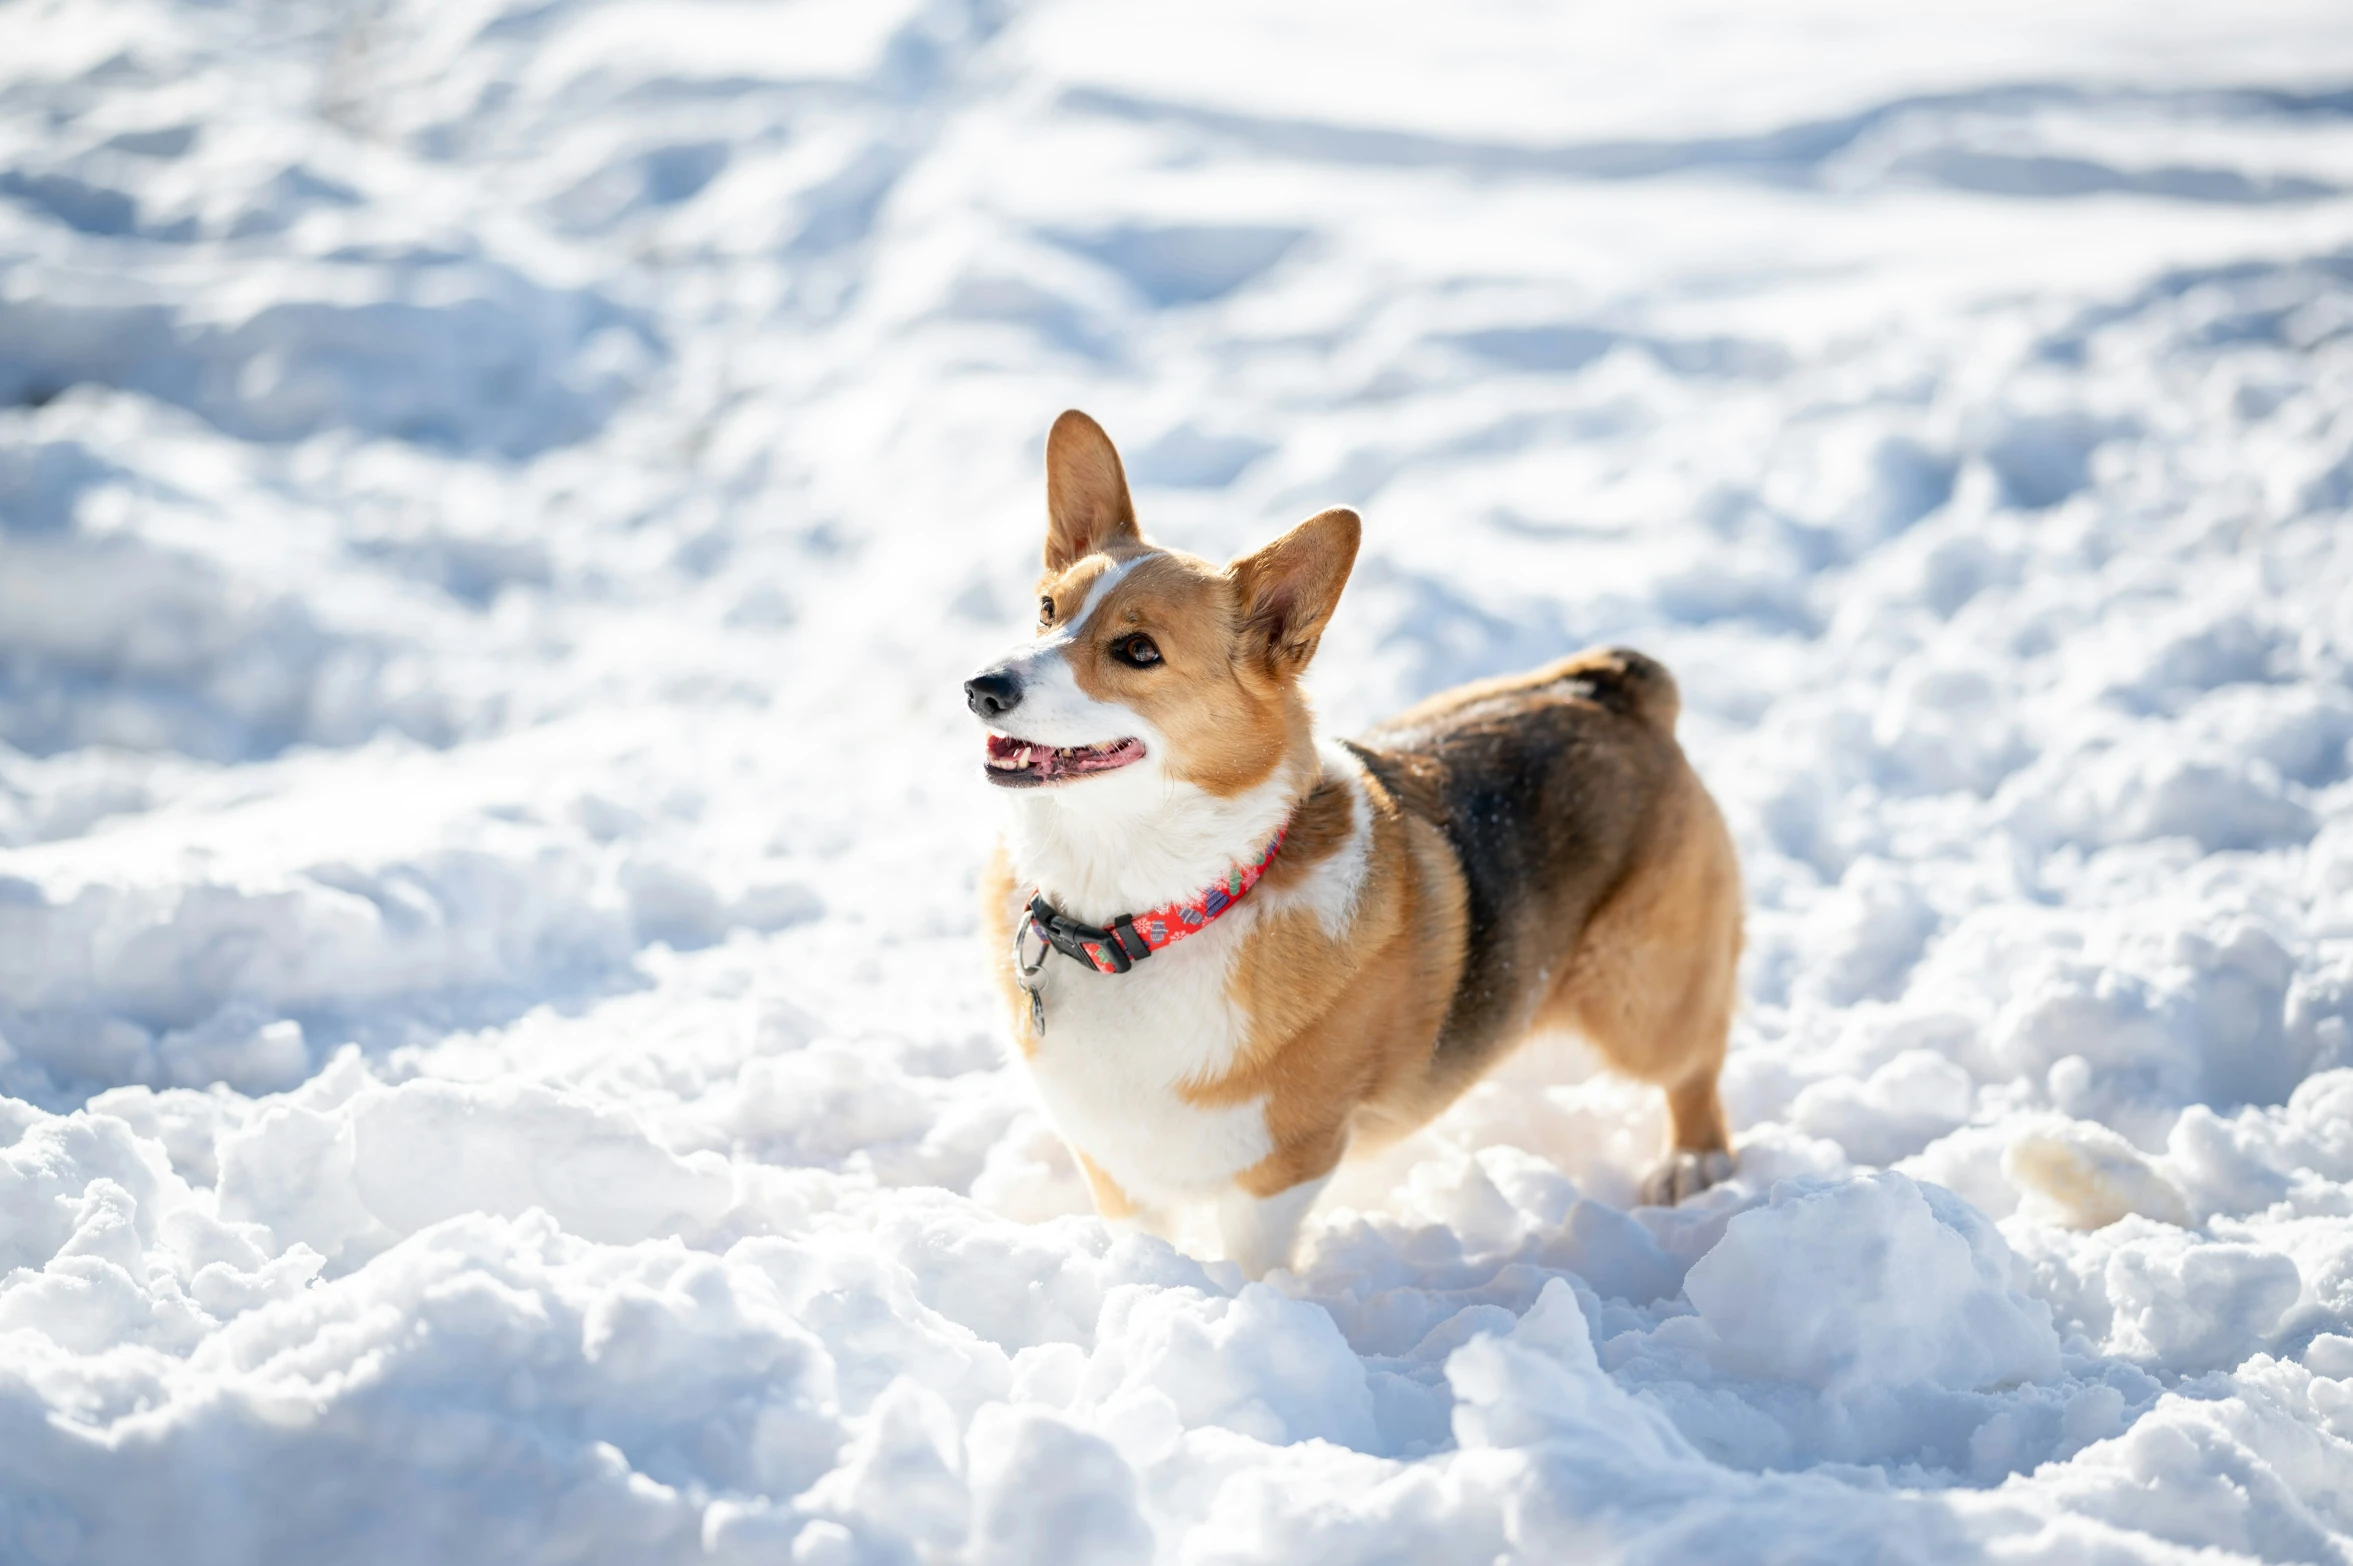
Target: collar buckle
(1113,950)
(1072,939)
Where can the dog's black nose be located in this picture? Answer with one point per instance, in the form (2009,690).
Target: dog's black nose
(992,695)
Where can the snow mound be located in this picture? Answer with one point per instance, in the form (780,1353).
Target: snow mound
(1915,1288)
(435,350)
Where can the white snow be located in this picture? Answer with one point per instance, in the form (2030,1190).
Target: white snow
(496,500)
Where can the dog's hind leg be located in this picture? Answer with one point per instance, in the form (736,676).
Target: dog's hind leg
(1699,1148)
(1652,983)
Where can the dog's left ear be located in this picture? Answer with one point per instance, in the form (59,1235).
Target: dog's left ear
(1289,589)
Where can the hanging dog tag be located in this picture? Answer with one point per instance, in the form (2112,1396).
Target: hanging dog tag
(1025,974)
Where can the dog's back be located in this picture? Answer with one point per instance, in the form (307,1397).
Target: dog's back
(1600,888)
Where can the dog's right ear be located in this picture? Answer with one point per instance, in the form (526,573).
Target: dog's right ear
(1087,505)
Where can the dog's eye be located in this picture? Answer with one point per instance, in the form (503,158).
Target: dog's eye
(1138,651)
(1045,611)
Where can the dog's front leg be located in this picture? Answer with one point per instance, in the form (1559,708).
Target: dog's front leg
(1120,1212)
(1259,1231)
(1157,1222)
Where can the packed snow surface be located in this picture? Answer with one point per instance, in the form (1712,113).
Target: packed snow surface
(496,500)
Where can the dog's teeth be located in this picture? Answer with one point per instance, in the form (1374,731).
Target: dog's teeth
(1051,761)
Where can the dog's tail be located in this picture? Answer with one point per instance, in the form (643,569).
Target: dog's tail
(1626,681)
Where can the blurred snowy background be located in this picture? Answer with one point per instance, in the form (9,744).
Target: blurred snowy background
(496,500)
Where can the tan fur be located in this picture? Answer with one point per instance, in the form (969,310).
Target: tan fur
(1339,1027)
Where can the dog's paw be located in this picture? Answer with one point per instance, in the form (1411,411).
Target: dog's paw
(1683,1174)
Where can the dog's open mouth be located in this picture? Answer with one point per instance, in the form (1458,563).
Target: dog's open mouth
(1019,764)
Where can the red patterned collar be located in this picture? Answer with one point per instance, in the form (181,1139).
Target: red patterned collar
(1131,938)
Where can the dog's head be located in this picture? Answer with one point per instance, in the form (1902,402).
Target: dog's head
(1151,667)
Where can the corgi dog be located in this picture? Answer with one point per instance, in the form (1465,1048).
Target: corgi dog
(1231,953)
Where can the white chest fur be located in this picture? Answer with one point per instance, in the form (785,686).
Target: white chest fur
(1120,1048)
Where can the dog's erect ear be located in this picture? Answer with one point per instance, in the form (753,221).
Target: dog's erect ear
(1289,589)
(1087,506)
